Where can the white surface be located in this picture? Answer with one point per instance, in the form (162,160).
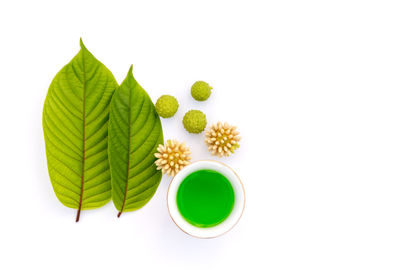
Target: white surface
(314,87)
(233,217)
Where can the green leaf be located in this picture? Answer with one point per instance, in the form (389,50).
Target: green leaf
(134,135)
(75,125)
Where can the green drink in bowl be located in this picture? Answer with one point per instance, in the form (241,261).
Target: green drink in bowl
(206,199)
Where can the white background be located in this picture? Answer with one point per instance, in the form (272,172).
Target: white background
(314,87)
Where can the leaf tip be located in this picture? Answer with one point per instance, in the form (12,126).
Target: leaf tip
(130,70)
(81,43)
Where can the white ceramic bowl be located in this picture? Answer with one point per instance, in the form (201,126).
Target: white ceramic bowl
(229,222)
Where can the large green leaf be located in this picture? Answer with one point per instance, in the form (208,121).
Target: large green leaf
(134,134)
(75,125)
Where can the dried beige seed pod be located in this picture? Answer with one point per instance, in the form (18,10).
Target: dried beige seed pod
(222,139)
(172,157)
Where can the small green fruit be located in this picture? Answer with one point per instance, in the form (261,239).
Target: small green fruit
(201,90)
(166,106)
(194,121)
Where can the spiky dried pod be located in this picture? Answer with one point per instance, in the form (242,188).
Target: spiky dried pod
(222,139)
(172,157)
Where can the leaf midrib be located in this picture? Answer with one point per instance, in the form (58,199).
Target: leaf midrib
(83,134)
(129,152)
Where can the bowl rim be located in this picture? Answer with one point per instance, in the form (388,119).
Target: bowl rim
(187,224)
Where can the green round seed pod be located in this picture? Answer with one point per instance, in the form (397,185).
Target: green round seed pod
(201,91)
(194,121)
(166,106)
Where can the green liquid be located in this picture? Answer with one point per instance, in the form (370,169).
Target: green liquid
(205,198)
